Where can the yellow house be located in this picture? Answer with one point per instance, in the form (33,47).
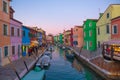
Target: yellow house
(104,23)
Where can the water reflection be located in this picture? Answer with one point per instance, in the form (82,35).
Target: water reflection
(63,68)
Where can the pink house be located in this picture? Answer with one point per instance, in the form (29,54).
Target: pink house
(78,36)
(16,36)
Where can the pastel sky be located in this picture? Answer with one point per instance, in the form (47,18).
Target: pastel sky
(54,16)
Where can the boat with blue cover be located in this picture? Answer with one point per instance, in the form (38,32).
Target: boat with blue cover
(36,74)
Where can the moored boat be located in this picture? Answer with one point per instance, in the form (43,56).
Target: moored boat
(35,74)
(43,61)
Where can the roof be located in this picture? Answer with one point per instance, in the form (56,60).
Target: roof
(93,19)
(116,18)
(79,26)
(16,20)
(107,9)
(11,9)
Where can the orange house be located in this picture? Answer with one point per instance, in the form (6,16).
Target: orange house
(78,36)
(115,28)
(4,31)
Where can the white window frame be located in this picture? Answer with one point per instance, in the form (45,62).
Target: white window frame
(113,28)
(84,26)
(90,24)
(84,34)
(7,6)
(90,33)
(109,28)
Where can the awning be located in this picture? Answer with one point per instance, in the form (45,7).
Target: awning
(34,43)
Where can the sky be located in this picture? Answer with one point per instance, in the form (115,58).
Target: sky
(54,16)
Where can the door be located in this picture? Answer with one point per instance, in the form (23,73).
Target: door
(0,55)
(18,51)
(87,45)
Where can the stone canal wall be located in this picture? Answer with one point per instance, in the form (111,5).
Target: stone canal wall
(7,72)
(106,69)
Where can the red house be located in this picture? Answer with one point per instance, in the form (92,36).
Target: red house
(71,37)
(115,28)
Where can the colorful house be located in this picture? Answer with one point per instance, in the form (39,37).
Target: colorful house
(43,36)
(16,36)
(25,40)
(50,39)
(61,38)
(115,28)
(71,37)
(33,37)
(90,34)
(4,31)
(39,35)
(104,23)
(78,36)
(67,37)
(55,39)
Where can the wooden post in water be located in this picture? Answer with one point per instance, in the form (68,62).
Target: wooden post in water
(25,64)
(13,67)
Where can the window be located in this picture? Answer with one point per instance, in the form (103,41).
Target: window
(5,7)
(6,51)
(12,31)
(98,31)
(108,15)
(19,50)
(90,24)
(76,29)
(84,34)
(90,33)
(107,29)
(90,43)
(13,50)
(5,31)
(23,33)
(98,44)
(18,32)
(114,29)
(84,26)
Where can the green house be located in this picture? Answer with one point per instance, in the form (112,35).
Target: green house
(90,34)
(61,38)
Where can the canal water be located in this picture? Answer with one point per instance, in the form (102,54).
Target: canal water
(62,68)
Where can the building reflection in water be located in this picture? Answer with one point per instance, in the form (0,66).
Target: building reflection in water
(77,66)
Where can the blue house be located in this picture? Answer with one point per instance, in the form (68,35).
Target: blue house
(25,40)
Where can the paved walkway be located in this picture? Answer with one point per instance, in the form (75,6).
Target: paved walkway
(7,72)
(109,68)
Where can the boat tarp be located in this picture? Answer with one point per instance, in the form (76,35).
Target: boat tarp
(34,75)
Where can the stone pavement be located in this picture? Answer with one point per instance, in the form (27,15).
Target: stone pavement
(7,72)
(108,69)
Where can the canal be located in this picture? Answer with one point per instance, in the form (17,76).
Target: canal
(62,68)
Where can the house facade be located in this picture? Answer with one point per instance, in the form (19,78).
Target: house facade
(90,34)
(50,39)
(67,37)
(25,40)
(71,37)
(78,36)
(16,36)
(4,31)
(115,28)
(104,23)
(61,38)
